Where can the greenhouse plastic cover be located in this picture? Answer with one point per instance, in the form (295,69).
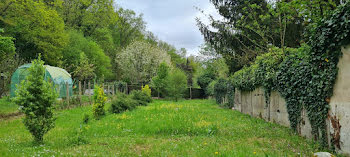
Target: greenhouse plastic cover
(59,77)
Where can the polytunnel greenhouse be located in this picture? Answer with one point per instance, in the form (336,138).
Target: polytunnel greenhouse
(59,77)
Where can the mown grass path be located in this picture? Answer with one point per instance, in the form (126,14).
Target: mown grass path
(164,128)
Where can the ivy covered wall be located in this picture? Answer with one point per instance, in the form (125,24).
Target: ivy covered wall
(304,77)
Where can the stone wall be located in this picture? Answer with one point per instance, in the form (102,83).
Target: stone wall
(338,122)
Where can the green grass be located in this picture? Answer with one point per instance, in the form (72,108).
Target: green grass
(7,106)
(164,128)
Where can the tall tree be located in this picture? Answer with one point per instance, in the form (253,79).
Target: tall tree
(7,61)
(36,28)
(88,15)
(78,47)
(160,82)
(128,27)
(249,27)
(139,61)
(177,84)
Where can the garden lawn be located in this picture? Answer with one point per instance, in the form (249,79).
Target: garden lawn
(164,128)
(7,106)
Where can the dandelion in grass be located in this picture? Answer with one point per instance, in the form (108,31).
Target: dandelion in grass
(216,153)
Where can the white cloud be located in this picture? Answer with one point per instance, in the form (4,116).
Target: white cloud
(173,21)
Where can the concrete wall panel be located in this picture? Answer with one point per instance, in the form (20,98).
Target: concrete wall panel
(339,115)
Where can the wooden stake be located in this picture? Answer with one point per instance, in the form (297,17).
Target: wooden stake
(89,93)
(113,91)
(80,93)
(190,92)
(84,88)
(67,89)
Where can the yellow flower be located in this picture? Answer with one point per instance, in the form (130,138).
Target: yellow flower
(216,153)
(326,60)
(205,143)
(254,152)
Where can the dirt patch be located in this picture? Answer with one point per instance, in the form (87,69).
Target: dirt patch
(9,115)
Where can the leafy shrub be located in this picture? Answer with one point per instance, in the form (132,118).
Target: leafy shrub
(99,102)
(36,98)
(177,84)
(147,90)
(141,97)
(261,73)
(79,137)
(220,90)
(159,82)
(210,88)
(205,79)
(122,103)
(121,86)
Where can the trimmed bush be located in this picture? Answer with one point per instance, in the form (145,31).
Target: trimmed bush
(141,97)
(220,90)
(210,88)
(147,90)
(204,81)
(99,102)
(35,98)
(122,103)
(177,84)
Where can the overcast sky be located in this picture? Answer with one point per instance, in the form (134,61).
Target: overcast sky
(173,21)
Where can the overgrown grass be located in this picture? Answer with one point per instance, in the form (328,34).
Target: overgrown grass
(164,128)
(7,106)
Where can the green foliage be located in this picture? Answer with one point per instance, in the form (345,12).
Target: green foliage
(85,58)
(87,38)
(99,102)
(37,28)
(320,71)
(122,103)
(87,16)
(7,61)
(145,89)
(195,123)
(261,73)
(306,76)
(204,80)
(121,86)
(7,47)
(35,98)
(245,79)
(210,88)
(159,82)
(292,83)
(249,27)
(84,70)
(220,90)
(139,60)
(86,118)
(141,97)
(230,95)
(177,84)
(79,136)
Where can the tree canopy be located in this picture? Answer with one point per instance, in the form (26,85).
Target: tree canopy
(85,37)
(250,27)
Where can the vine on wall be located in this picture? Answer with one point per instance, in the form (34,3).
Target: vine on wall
(305,76)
